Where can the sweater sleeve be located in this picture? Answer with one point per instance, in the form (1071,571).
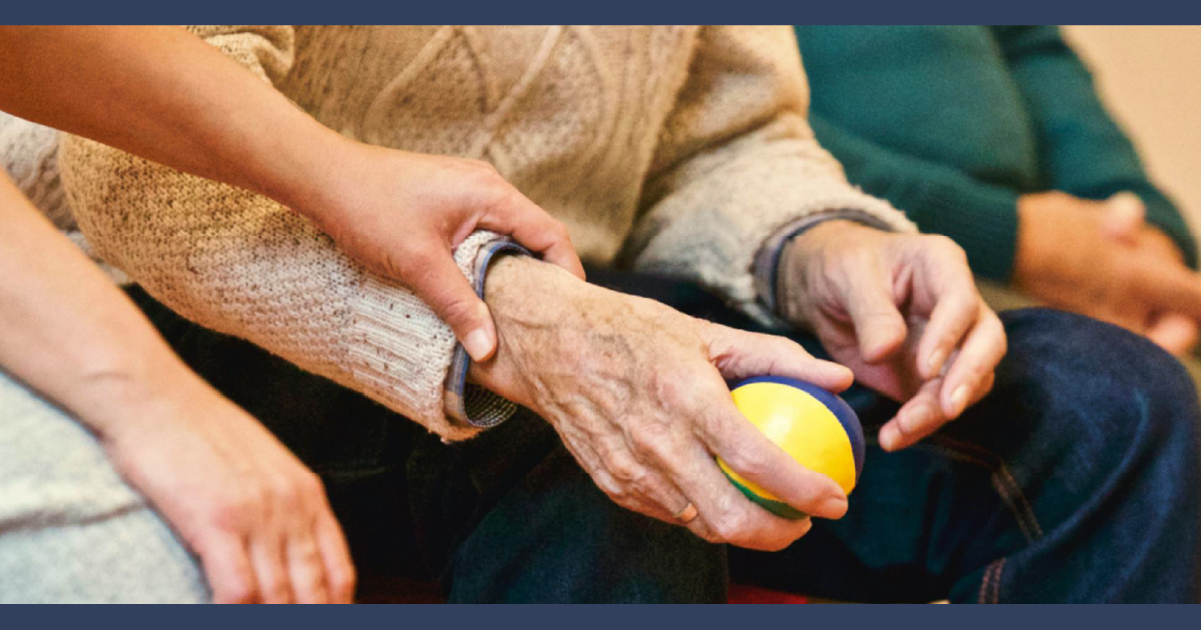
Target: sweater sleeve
(1082,150)
(244,265)
(737,162)
(982,218)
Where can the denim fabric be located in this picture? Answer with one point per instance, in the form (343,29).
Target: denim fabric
(1076,480)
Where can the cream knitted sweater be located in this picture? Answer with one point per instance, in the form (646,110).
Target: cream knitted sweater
(675,149)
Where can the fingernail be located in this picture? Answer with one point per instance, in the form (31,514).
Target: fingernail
(478,344)
(889,436)
(958,400)
(934,364)
(833,507)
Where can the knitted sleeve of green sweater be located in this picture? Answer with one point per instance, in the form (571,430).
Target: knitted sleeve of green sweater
(1082,150)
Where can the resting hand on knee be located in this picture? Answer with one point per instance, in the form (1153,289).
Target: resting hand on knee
(257,518)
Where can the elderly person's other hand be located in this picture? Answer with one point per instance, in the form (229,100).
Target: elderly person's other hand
(902,311)
(636,390)
(1100,258)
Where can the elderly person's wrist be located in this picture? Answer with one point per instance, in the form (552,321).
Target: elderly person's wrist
(771,255)
(800,264)
(527,298)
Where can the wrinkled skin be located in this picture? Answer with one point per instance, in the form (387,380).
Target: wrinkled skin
(637,390)
(902,311)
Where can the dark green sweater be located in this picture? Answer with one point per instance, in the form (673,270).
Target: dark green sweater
(952,123)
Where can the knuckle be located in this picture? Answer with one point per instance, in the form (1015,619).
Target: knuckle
(287,494)
(730,528)
(458,311)
(674,389)
(559,231)
(311,485)
(745,464)
(653,441)
(945,246)
(485,168)
(234,512)
(624,470)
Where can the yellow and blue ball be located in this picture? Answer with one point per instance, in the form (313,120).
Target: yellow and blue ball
(817,428)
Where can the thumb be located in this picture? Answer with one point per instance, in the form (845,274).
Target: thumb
(1123,217)
(441,285)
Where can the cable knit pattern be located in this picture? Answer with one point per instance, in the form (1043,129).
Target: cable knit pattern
(675,148)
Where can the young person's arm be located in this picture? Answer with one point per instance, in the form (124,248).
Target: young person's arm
(164,94)
(256,517)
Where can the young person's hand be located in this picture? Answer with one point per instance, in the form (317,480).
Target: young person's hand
(1101,259)
(257,518)
(401,215)
(166,95)
(902,311)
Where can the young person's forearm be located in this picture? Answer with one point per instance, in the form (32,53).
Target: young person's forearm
(166,95)
(68,332)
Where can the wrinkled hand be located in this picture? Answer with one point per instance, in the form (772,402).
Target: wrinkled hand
(1101,259)
(636,390)
(401,215)
(257,518)
(902,311)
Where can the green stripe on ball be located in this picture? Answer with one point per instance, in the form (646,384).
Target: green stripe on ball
(778,508)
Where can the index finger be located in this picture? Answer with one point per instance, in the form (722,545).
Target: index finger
(982,349)
(957,309)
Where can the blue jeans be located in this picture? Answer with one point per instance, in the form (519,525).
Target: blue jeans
(1077,479)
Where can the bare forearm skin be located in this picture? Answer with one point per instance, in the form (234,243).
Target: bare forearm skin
(166,95)
(70,334)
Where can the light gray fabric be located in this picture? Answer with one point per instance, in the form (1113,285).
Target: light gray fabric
(70,529)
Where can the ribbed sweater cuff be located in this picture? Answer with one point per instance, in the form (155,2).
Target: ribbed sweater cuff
(402,355)
(984,221)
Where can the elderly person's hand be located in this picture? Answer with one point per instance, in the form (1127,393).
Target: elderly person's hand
(1101,259)
(902,311)
(636,390)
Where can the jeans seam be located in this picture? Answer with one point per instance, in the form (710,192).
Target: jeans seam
(1003,481)
(990,586)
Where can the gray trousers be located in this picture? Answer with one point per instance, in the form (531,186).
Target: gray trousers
(70,529)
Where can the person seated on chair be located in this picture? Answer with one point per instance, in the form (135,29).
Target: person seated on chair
(124,477)
(682,164)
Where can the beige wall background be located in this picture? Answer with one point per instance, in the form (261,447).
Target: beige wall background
(1150,76)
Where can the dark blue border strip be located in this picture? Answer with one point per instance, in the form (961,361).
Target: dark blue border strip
(609,12)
